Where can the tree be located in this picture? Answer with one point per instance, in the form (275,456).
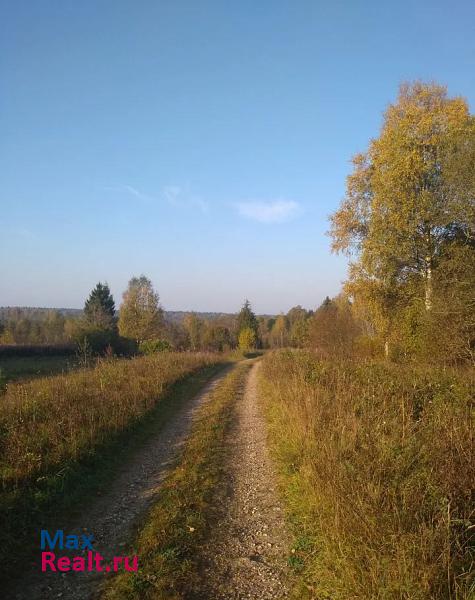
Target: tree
(246,319)
(141,317)
(333,329)
(53,327)
(265,327)
(402,206)
(194,327)
(217,337)
(279,332)
(99,308)
(297,318)
(247,339)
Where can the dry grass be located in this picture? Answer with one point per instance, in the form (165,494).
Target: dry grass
(46,422)
(56,432)
(378,471)
(179,522)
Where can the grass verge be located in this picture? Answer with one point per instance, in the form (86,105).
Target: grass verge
(178,523)
(377,469)
(30,498)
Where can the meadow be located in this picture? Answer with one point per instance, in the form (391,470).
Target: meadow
(21,368)
(377,469)
(59,434)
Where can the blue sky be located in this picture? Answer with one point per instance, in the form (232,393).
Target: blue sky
(202,143)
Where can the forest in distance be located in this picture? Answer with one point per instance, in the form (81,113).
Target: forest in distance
(365,404)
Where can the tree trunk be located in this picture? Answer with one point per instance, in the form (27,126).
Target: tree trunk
(428,269)
(428,284)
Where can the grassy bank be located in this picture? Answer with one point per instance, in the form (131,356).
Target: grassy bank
(60,436)
(178,523)
(378,473)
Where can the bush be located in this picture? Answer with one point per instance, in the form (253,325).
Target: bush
(247,339)
(91,341)
(154,346)
(379,470)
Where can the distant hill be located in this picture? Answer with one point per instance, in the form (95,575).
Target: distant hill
(35,312)
(177,316)
(39,313)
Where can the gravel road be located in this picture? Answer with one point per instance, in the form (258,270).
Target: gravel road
(111,517)
(246,554)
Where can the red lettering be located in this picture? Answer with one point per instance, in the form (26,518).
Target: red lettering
(64,563)
(47,559)
(135,563)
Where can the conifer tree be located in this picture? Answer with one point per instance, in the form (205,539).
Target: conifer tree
(99,308)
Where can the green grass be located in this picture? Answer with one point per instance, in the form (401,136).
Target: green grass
(20,368)
(137,398)
(179,522)
(377,469)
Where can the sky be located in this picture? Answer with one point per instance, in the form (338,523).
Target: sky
(202,143)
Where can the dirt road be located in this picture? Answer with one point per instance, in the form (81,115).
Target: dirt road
(246,554)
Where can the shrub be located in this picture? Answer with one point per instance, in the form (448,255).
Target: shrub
(247,339)
(154,346)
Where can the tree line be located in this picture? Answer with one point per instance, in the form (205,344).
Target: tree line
(141,324)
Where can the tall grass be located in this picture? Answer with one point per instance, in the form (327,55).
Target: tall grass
(378,470)
(50,427)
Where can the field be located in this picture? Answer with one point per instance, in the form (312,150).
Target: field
(20,368)
(60,435)
(377,468)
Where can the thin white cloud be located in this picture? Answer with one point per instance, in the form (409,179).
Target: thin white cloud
(174,195)
(179,196)
(138,194)
(273,211)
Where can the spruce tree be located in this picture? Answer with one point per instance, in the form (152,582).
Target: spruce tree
(99,308)
(247,319)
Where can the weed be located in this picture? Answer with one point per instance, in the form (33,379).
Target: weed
(378,468)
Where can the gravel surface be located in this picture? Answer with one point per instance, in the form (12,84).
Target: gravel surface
(246,554)
(112,516)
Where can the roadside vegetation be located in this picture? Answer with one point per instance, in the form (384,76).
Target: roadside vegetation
(378,474)
(55,431)
(179,522)
(374,426)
